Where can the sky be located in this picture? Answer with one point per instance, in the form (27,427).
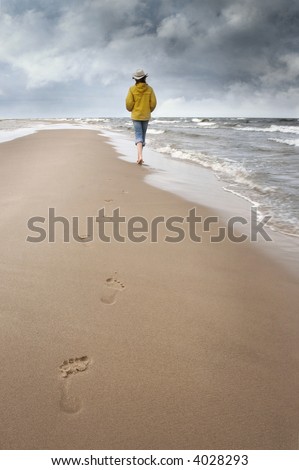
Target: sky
(209,58)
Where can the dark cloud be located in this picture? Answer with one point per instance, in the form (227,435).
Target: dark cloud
(226,56)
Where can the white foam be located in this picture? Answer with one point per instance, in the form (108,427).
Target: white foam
(272,128)
(7,135)
(210,125)
(292,142)
(229,167)
(159,121)
(228,170)
(155,131)
(205,123)
(12,134)
(178,154)
(242,196)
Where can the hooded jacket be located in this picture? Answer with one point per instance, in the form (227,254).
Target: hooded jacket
(141,100)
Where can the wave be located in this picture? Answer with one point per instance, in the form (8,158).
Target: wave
(96,120)
(288,226)
(272,128)
(210,125)
(242,182)
(226,166)
(200,120)
(292,142)
(228,170)
(179,154)
(155,131)
(159,121)
(242,196)
(205,123)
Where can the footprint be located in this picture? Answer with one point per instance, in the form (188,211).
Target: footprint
(73,366)
(69,403)
(70,367)
(112,287)
(108,200)
(125,192)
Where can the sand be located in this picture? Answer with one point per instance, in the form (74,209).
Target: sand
(134,345)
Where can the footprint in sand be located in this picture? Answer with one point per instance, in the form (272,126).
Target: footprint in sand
(112,287)
(68,368)
(108,200)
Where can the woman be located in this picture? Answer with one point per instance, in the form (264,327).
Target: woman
(141,101)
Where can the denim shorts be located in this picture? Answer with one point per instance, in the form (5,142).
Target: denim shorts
(140,128)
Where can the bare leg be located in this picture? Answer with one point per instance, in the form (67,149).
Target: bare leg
(139,150)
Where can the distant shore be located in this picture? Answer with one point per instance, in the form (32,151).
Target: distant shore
(137,344)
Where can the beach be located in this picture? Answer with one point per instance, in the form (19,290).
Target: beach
(129,344)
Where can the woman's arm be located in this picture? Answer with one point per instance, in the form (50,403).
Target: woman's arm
(130,101)
(153,100)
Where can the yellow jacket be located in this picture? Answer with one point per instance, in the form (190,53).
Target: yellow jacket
(141,100)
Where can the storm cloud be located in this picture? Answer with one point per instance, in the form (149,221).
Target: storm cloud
(204,58)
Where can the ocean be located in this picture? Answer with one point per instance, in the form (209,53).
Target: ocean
(255,159)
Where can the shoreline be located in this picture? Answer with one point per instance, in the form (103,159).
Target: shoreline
(183,178)
(134,345)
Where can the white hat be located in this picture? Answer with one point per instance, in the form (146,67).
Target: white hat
(139,74)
